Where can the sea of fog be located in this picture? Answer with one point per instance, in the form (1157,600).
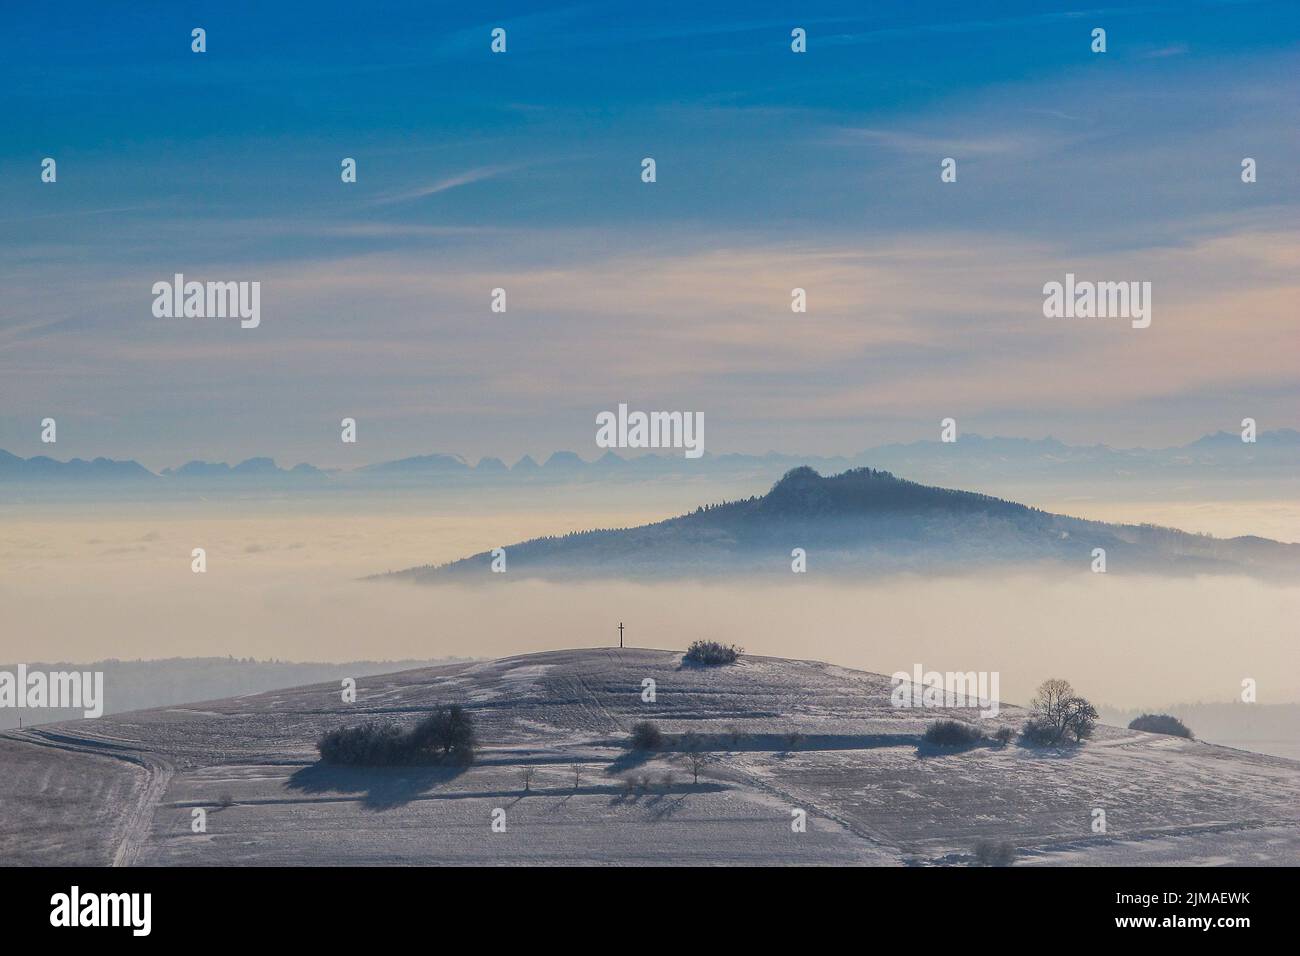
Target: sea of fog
(84,588)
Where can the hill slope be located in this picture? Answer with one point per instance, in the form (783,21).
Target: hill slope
(122,789)
(868,521)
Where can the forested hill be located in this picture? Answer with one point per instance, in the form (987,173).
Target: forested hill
(867,521)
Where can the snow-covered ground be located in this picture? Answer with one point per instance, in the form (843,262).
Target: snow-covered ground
(782,736)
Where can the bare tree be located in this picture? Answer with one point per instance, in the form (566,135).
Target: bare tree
(696,760)
(1049,701)
(1079,717)
(1060,711)
(577,776)
(527,774)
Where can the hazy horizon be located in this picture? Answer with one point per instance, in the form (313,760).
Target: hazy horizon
(352,459)
(289,586)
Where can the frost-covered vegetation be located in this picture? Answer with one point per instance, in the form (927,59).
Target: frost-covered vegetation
(1161,724)
(444,737)
(1059,714)
(712,652)
(646,736)
(952,733)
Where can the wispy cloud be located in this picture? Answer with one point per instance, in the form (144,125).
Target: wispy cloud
(466,178)
(923,144)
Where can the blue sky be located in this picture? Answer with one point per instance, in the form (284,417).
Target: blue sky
(521,170)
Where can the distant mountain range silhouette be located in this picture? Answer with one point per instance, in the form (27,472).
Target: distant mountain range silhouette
(1275,454)
(864,520)
(42,468)
(250,468)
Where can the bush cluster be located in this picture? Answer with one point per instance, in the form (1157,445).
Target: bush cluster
(1039,733)
(444,737)
(711,652)
(952,733)
(646,736)
(1161,724)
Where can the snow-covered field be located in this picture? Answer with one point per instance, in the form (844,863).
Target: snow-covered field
(122,789)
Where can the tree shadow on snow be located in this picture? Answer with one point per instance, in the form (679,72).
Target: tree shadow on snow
(1050,752)
(1066,751)
(924,749)
(629,761)
(657,799)
(382,788)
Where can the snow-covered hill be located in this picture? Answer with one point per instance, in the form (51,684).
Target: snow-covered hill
(781,735)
